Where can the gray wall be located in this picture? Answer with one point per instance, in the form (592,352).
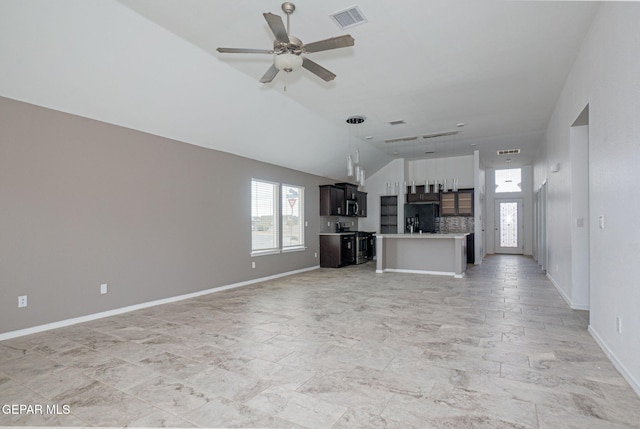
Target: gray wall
(85,203)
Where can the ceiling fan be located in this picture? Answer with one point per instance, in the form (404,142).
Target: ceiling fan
(288,50)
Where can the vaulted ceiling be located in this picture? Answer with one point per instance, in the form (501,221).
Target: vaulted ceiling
(495,66)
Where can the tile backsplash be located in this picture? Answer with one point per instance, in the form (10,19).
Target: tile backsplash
(454,224)
(328,223)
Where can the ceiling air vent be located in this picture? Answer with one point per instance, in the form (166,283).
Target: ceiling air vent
(349,17)
(508,151)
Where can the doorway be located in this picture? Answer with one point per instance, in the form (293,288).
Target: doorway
(541,226)
(579,157)
(509,227)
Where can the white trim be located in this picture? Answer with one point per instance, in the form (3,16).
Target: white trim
(635,385)
(114,312)
(293,249)
(434,273)
(265,252)
(566,297)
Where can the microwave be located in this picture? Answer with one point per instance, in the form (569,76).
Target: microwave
(352,208)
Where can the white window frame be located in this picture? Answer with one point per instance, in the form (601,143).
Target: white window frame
(275,221)
(278,219)
(283,203)
(497,186)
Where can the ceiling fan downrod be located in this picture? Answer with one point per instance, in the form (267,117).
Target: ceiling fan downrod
(288,8)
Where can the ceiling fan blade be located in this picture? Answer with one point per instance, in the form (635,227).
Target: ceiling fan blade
(270,74)
(244,51)
(332,43)
(277,27)
(317,69)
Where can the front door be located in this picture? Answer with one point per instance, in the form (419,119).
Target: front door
(509,226)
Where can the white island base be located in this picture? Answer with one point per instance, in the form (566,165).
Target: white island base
(439,254)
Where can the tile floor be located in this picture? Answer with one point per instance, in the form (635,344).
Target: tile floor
(331,349)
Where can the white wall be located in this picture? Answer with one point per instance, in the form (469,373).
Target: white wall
(460,167)
(376,186)
(604,76)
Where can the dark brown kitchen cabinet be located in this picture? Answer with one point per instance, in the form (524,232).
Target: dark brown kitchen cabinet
(422,195)
(350,191)
(465,202)
(337,250)
(332,201)
(448,204)
(458,203)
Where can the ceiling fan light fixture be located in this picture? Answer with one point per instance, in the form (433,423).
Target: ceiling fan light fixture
(288,62)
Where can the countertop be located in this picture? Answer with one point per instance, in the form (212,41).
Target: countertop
(423,235)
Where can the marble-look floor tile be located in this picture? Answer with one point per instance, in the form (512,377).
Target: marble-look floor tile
(222,412)
(298,408)
(101,405)
(170,395)
(332,348)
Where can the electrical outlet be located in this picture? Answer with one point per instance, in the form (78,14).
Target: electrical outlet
(22,301)
(103,288)
(306,223)
(619,325)
(253,264)
(315,254)
(328,223)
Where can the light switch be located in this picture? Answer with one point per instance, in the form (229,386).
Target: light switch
(601,222)
(580,222)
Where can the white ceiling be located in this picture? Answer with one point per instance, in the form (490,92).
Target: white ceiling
(496,66)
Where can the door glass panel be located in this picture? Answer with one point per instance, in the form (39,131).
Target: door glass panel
(508,224)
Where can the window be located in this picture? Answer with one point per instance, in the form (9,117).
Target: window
(508,180)
(264,216)
(292,216)
(277,217)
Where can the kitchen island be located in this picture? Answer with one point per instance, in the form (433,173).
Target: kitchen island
(440,254)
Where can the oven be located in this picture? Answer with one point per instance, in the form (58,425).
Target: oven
(362,246)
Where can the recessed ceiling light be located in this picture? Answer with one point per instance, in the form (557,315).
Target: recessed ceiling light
(460,124)
(369,137)
(355,120)
(474,144)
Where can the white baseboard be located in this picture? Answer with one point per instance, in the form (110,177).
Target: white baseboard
(433,273)
(108,313)
(564,296)
(635,385)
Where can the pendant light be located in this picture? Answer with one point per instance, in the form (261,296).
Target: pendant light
(354,169)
